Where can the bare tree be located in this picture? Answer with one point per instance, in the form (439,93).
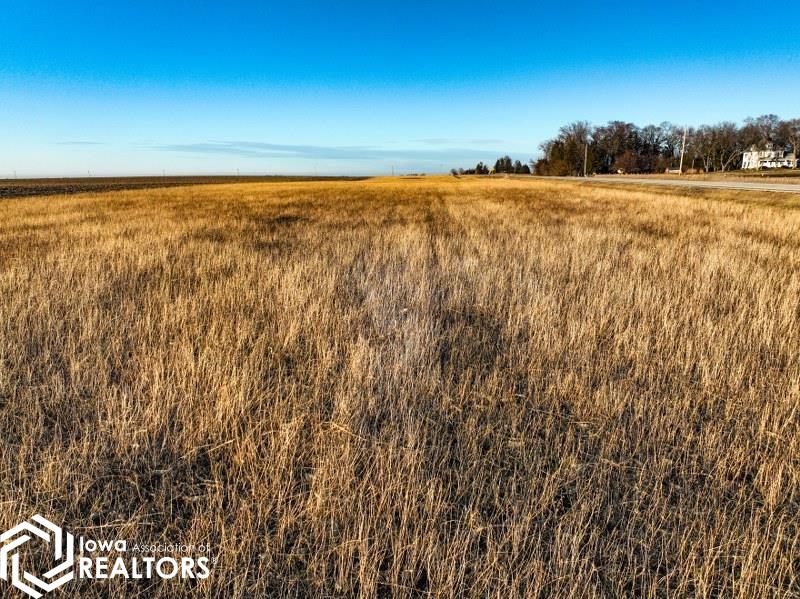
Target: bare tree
(790,132)
(728,142)
(672,139)
(705,146)
(574,138)
(761,131)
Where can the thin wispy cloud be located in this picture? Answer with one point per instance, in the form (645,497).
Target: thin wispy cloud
(444,141)
(80,143)
(251,149)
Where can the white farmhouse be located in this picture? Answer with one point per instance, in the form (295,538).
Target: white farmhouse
(758,159)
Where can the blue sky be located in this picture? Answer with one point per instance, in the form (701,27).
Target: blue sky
(358,88)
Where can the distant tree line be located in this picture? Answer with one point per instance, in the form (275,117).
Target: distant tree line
(480,169)
(623,147)
(620,146)
(501,165)
(505,165)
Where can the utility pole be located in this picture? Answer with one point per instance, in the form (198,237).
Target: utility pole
(683,149)
(585,157)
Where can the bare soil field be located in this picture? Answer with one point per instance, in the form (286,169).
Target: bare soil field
(399,388)
(12,188)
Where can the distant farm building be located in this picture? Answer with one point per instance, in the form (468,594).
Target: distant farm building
(758,159)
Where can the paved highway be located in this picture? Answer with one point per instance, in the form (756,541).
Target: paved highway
(744,185)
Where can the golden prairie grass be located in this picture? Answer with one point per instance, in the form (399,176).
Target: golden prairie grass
(434,387)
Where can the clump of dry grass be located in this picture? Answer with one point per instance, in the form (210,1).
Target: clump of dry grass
(434,387)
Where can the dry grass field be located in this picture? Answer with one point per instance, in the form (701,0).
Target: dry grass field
(424,387)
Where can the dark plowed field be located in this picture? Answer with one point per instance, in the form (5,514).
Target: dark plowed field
(14,188)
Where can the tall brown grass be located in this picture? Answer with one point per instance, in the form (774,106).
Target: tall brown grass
(454,388)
